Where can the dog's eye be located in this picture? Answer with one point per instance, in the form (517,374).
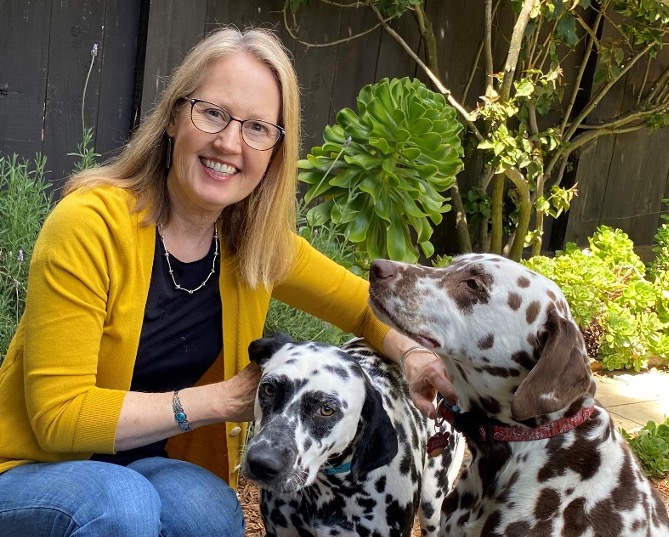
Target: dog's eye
(268,390)
(474,284)
(327,411)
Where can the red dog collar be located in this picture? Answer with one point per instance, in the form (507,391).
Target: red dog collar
(500,433)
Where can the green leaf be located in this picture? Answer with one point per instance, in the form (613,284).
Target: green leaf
(395,239)
(566,30)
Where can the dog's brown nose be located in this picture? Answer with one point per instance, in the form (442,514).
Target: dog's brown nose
(382,269)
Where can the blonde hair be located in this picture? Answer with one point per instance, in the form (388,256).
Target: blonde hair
(256,230)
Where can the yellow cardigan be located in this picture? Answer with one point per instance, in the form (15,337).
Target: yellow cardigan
(70,363)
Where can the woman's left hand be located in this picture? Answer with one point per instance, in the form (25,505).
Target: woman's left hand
(239,394)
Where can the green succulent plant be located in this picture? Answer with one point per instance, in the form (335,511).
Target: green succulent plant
(382,172)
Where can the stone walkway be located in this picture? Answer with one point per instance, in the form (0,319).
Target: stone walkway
(633,399)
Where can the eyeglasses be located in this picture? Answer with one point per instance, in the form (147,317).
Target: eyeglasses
(256,133)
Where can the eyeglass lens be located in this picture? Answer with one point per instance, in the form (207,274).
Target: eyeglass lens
(212,119)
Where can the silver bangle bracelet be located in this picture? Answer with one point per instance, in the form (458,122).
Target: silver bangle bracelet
(179,414)
(409,351)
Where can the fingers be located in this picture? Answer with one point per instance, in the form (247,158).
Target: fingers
(240,393)
(424,404)
(426,375)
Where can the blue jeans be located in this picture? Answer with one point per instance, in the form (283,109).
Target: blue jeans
(149,498)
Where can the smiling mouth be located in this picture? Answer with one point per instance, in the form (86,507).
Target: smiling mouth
(385,315)
(218,167)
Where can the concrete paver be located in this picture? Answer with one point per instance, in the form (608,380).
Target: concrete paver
(633,399)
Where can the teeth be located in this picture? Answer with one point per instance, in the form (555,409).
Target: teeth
(218,167)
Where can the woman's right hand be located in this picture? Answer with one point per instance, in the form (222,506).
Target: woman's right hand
(426,374)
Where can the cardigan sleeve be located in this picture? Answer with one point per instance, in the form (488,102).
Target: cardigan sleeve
(325,289)
(70,320)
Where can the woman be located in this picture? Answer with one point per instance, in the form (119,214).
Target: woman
(148,281)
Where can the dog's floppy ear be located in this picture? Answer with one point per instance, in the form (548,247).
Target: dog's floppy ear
(261,350)
(561,375)
(378,444)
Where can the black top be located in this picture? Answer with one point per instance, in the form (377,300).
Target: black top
(181,335)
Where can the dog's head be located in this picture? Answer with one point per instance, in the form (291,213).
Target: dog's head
(314,407)
(505,333)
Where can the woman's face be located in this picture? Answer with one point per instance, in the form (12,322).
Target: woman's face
(208,172)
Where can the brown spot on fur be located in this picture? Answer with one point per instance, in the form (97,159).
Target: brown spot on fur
(563,308)
(575,522)
(486,342)
(582,456)
(547,505)
(532,311)
(490,405)
(605,518)
(491,524)
(523,359)
(518,529)
(523,282)
(551,295)
(496,371)
(514,301)
(468,286)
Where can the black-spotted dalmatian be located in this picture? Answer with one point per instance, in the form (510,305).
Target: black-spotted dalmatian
(546,458)
(338,448)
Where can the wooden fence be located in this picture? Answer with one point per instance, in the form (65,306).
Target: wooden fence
(46,54)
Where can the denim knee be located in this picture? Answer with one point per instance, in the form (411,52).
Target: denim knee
(127,506)
(85,498)
(195,502)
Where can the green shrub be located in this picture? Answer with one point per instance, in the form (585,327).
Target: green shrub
(25,200)
(301,325)
(383,172)
(651,446)
(606,286)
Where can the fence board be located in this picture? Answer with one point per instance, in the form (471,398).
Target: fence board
(174,27)
(316,69)
(23,75)
(118,57)
(356,58)
(75,27)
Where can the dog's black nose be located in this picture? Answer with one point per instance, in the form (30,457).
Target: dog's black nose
(264,464)
(382,269)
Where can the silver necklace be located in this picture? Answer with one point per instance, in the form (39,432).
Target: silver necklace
(169,265)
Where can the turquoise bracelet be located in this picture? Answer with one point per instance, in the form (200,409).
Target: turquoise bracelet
(179,414)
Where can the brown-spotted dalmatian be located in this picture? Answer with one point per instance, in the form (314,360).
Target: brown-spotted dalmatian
(546,458)
(338,448)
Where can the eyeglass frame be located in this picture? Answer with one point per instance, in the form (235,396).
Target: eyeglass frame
(193,101)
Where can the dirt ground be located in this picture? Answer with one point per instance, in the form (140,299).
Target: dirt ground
(250,498)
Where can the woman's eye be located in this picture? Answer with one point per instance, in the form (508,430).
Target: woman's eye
(327,411)
(213,113)
(257,127)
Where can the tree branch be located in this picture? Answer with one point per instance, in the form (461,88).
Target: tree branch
(514,49)
(292,34)
(435,80)
(594,101)
(487,41)
(516,250)
(592,42)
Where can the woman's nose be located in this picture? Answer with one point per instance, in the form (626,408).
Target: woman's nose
(231,136)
